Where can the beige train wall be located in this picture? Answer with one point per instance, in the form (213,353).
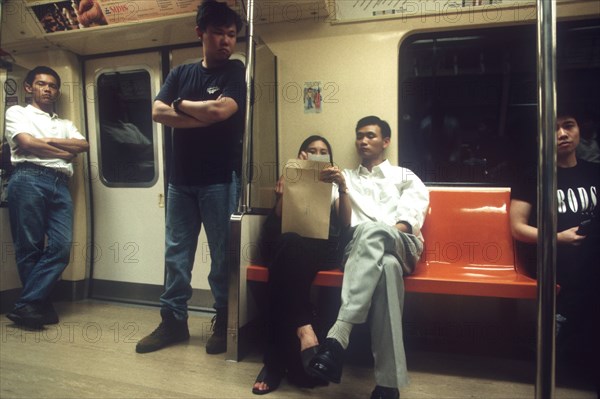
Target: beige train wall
(357,65)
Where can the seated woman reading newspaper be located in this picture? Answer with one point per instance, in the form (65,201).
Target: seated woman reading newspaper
(293,262)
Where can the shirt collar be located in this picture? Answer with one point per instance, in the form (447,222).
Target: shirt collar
(40,112)
(380,170)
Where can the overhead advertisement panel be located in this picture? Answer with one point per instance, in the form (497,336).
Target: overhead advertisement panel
(357,10)
(58,16)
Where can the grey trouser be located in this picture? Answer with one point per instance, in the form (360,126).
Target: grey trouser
(373,288)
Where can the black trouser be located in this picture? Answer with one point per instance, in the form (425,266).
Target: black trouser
(578,275)
(294,262)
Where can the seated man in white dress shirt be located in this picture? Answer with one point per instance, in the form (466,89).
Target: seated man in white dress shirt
(389,204)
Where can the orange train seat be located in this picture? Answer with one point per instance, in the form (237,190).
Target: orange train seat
(468,249)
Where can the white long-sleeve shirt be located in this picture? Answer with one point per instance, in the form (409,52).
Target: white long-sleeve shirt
(388,194)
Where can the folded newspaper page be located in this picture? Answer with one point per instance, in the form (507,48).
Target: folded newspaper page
(306,199)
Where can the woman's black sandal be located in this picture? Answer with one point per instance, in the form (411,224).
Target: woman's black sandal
(269,377)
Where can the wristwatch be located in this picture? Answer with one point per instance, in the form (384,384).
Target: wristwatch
(176,103)
(344,190)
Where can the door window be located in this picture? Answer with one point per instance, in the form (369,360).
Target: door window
(127,145)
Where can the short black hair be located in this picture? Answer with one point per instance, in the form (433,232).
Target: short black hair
(41,69)
(312,139)
(567,108)
(215,13)
(386,131)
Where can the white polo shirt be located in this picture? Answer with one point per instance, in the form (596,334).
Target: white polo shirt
(39,124)
(387,194)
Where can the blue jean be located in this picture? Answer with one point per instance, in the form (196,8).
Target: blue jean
(40,206)
(188,208)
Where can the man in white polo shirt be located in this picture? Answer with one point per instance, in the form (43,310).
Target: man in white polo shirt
(42,149)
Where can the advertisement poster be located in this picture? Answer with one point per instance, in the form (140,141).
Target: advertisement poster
(57,16)
(313,103)
(354,10)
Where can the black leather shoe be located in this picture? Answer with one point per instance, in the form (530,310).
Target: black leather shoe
(29,315)
(385,393)
(50,315)
(328,362)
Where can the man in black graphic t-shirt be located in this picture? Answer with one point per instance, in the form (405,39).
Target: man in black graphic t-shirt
(204,103)
(577,255)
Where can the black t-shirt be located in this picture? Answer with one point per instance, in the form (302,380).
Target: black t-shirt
(577,193)
(207,155)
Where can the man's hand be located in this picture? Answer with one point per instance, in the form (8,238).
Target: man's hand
(21,152)
(333,174)
(405,227)
(279,186)
(570,237)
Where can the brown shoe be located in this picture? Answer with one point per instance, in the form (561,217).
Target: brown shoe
(217,343)
(168,332)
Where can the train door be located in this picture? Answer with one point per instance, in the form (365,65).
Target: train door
(126,174)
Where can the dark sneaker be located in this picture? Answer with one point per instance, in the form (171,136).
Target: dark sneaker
(217,343)
(49,313)
(29,315)
(168,332)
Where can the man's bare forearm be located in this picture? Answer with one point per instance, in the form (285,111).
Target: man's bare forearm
(29,145)
(74,146)
(165,114)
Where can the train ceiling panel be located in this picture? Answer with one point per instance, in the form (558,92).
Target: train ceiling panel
(121,25)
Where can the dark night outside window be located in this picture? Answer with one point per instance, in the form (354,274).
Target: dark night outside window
(468,99)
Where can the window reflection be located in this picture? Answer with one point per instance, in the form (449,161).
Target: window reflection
(127,150)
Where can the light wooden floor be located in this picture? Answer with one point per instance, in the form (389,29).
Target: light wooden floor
(91,354)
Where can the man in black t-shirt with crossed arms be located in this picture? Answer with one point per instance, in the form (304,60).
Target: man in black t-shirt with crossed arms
(204,103)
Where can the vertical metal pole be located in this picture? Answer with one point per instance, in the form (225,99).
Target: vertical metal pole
(234,279)
(1,20)
(1,15)
(546,197)
(246,155)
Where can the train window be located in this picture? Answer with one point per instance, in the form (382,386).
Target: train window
(468,99)
(127,148)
